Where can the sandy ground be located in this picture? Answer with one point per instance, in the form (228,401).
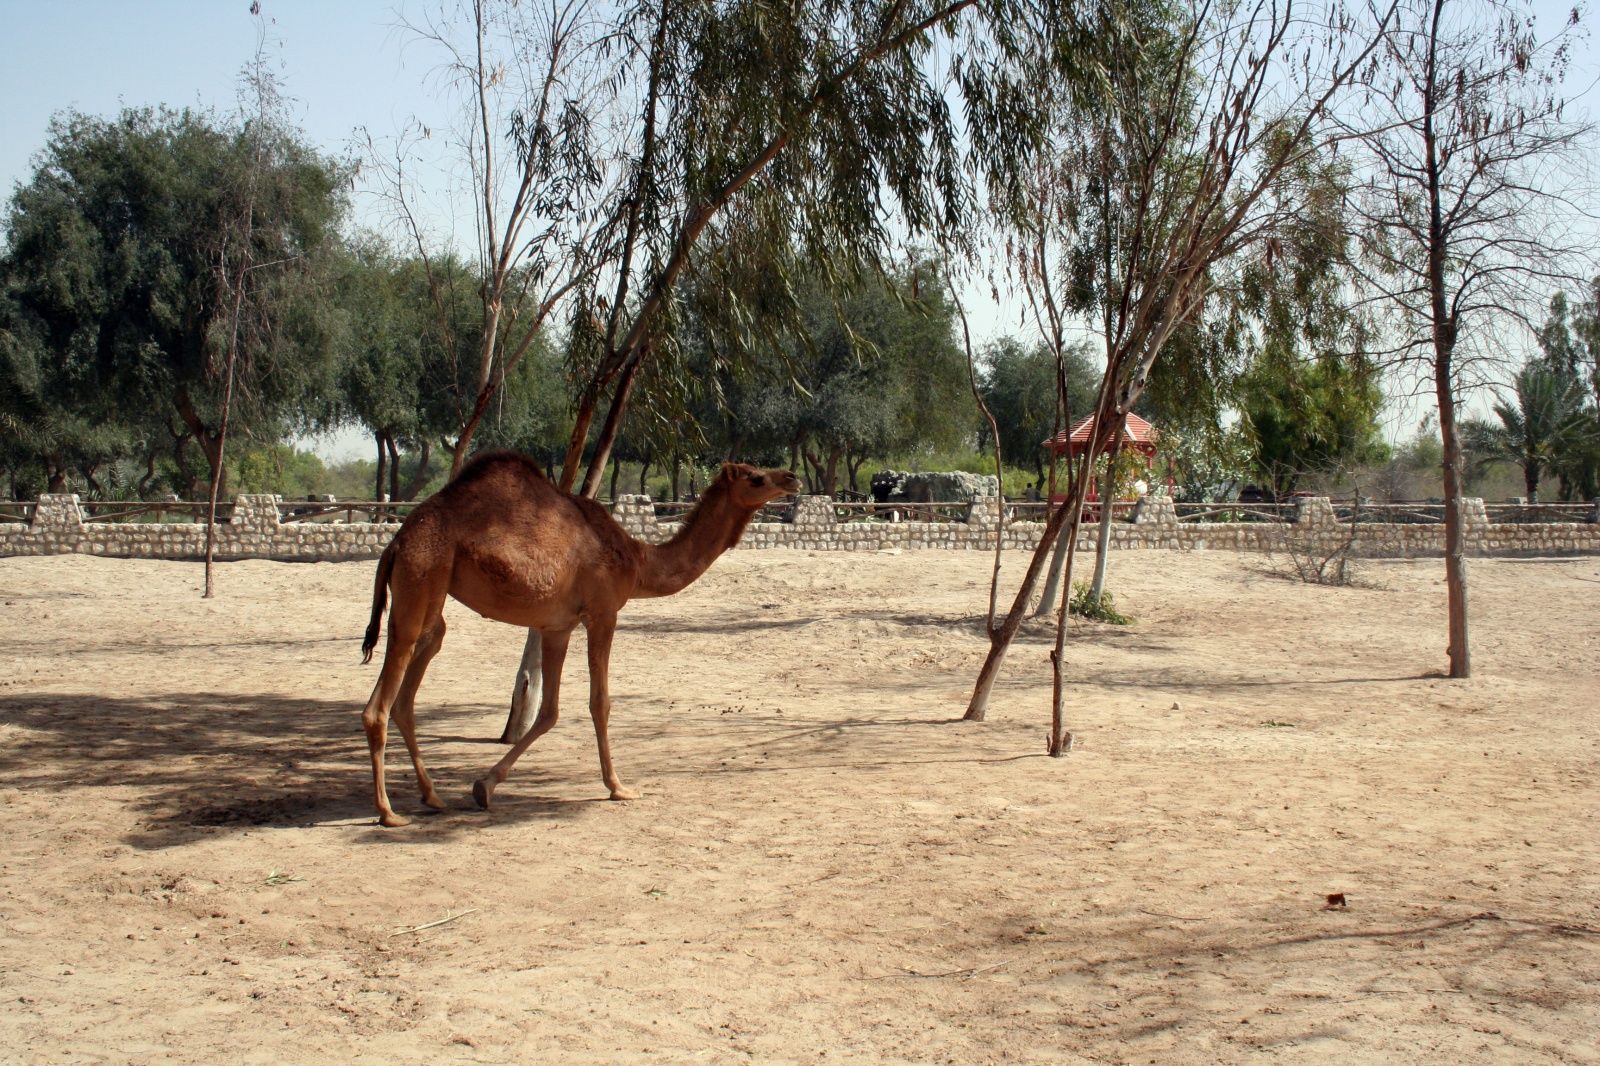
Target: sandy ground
(826,864)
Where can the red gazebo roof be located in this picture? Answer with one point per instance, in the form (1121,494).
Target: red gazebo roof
(1136,433)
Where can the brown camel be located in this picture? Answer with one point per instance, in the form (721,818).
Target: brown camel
(510,545)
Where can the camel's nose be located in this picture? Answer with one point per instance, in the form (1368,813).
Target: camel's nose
(792,483)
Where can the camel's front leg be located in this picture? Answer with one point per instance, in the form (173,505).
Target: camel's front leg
(555,654)
(600,633)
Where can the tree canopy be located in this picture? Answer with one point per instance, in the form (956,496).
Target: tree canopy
(116,275)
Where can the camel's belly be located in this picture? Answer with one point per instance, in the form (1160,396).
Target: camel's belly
(523,597)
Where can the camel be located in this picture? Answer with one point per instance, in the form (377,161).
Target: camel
(506,542)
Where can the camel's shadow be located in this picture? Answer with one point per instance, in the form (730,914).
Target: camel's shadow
(208,763)
(202,764)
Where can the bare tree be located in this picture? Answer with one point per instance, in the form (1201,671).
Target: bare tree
(1210,152)
(1467,215)
(250,319)
(532,86)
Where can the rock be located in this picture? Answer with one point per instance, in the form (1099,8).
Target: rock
(956,486)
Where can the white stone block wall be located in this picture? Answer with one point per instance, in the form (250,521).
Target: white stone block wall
(256,532)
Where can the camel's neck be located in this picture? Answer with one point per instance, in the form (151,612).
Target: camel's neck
(708,531)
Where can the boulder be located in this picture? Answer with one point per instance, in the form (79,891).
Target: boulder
(956,486)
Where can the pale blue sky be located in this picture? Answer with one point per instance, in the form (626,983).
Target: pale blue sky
(343,64)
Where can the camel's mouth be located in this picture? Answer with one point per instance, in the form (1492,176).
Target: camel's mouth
(791,485)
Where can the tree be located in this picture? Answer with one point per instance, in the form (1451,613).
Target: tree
(1570,340)
(1547,426)
(120,263)
(53,424)
(1019,385)
(1313,419)
(1217,156)
(823,133)
(803,131)
(530,80)
(1463,127)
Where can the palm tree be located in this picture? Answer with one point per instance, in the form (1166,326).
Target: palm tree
(1547,427)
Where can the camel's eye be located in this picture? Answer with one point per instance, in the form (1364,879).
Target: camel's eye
(758,480)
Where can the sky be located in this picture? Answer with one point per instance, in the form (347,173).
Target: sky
(343,65)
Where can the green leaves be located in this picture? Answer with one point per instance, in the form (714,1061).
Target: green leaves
(121,255)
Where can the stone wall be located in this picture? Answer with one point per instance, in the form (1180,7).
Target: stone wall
(255,532)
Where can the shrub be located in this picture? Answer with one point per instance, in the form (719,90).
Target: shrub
(1099,608)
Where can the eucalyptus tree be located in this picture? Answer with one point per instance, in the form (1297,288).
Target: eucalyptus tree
(825,132)
(1216,159)
(810,131)
(1466,133)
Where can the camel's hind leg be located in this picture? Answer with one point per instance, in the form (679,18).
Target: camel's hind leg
(415,610)
(405,710)
(554,655)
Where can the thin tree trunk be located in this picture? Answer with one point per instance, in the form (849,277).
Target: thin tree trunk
(525,689)
(1052,581)
(1455,544)
(420,478)
(219,471)
(616,470)
(1444,342)
(611,428)
(1107,503)
(383,459)
(1060,737)
(394,466)
(999,464)
(1103,543)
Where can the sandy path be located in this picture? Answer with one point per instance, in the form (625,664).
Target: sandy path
(825,864)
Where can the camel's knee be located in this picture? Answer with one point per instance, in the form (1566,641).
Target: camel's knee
(546,719)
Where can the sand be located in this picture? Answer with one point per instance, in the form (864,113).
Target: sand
(826,864)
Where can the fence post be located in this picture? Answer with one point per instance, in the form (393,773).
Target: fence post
(1155,510)
(1315,512)
(814,512)
(58,522)
(636,515)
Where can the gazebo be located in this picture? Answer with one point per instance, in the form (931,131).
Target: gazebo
(1137,435)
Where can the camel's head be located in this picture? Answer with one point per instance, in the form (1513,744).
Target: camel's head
(753,487)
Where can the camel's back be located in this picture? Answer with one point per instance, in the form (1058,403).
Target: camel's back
(514,536)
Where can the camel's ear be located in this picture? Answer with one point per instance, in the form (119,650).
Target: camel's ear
(729,471)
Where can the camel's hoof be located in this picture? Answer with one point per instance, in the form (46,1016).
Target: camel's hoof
(391,820)
(432,800)
(624,794)
(481,794)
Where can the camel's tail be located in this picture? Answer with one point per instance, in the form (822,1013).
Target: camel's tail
(380,596)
